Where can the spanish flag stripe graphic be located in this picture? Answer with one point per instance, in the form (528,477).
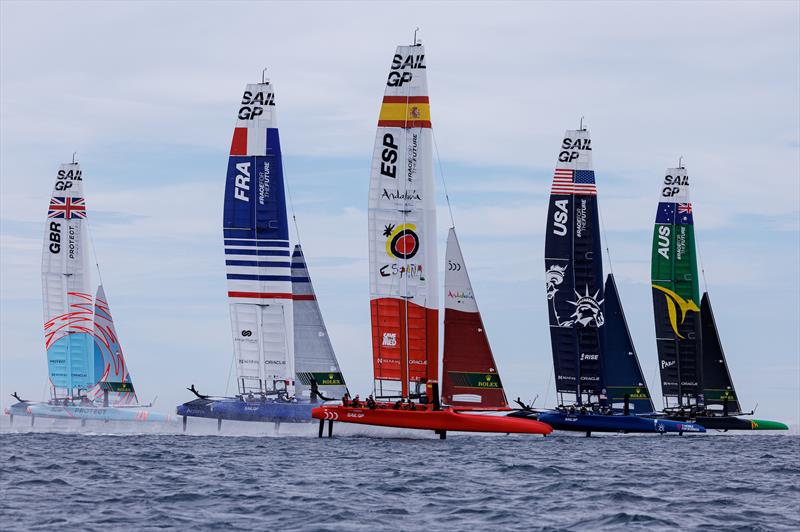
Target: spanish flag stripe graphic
(406,99)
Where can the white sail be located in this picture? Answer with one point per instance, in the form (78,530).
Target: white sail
(314,355)
(402,232)
(66,288)
(257,251)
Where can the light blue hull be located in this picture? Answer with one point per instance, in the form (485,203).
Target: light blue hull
(101,413)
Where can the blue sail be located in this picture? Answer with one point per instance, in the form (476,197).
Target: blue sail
(622,373)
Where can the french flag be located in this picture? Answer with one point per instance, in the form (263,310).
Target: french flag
(249,141)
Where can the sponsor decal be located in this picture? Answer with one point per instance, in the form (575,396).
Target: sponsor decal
(476,380)
(402,241)
(458,294)
(73,242)
(590,356)
(389,339)
(406,195)
(675,303)
(247,333)
(667,363)
(581,218)
(453,266)
(263,183)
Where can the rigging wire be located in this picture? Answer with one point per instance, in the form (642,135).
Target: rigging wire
(291,206)
(441,175)
(605,238)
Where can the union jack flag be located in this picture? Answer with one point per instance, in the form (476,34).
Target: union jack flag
(573,182)
(684,208)
(67,208)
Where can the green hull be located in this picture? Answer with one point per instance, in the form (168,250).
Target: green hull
(760,424)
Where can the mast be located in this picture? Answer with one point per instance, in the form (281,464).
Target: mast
(314,355)
(675,294)
(66,288)
(402,233)
(574,272)
(469,373)
(257,252)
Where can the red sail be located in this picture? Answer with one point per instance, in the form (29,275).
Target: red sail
(470,376)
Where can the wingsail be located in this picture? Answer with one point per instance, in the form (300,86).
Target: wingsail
(315,359)
(676,293)
(574,272)
(402,233)
(257,252)
(67,288)
(469,373)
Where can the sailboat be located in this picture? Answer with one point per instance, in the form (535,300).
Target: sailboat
(284,359)
(88,375)
(404,302)
(599,382)
(695,380)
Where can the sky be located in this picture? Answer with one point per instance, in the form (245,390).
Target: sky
(146,94)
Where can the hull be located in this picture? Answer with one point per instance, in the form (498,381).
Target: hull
(238,410)
(100,413)
(726,423)
(427,419)
(626,424)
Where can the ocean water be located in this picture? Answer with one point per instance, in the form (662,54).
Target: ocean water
(91,479)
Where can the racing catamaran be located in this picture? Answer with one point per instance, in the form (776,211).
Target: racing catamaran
(88,375)
(404,300)
(599,382)
(284,359)
(695,380)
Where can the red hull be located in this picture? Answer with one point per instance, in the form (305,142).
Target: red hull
(427,419)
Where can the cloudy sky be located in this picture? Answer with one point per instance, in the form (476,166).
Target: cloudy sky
(146,93)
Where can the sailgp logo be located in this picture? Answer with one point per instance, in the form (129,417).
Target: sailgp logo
(675,302)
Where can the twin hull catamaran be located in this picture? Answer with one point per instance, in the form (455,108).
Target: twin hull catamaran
(695,380)
(599,382)
(88,374)
(284,359)
(404,298)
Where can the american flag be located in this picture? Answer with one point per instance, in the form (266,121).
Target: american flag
(684,208)
(573,182)
(67,208)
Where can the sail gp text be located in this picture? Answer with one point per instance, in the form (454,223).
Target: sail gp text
(398,74)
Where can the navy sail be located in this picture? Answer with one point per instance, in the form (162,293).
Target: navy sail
(717,383)
(623,374)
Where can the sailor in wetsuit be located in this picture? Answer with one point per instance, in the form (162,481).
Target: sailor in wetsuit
(315,391)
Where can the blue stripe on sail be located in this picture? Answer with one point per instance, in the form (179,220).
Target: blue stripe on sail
(260,252)
(258,243)
(257,264)
(247,277)
(301,280)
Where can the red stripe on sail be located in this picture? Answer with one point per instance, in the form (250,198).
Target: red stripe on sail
(404,123)
(262,295)
(406,99)
(239,142)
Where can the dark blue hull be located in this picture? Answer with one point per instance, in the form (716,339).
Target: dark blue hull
(620,423)
(238,410)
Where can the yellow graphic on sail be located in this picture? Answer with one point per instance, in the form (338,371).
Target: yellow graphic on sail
(684,305)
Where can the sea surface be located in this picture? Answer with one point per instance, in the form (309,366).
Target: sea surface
(92,478)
